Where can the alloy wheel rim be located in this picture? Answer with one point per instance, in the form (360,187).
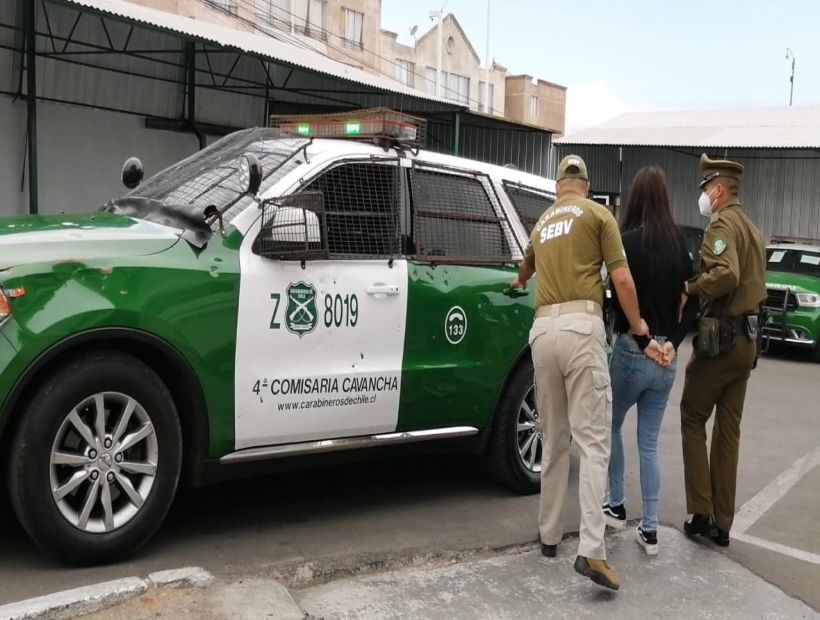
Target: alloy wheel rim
(103,462)
(529,438)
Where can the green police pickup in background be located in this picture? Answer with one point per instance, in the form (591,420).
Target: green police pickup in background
(793,303)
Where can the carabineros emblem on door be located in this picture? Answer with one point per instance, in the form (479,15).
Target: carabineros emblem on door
(301,316)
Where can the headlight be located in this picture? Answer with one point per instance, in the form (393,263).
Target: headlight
(808,300)
(5,306)
(5,295)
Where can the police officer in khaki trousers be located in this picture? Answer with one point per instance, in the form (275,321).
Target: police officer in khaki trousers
(731,287)
(567,247)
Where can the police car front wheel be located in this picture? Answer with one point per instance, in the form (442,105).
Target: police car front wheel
(96,459)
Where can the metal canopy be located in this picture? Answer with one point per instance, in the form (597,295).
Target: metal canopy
(189,75)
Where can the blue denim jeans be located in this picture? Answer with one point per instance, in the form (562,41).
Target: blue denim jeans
(638,380)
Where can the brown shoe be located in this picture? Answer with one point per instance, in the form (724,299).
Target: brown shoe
(599,571)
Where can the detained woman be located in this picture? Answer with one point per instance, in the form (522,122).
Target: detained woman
(643,370)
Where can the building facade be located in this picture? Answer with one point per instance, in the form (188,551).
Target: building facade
(536,102)
(350,32)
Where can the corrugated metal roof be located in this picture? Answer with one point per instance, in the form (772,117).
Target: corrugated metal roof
(797,127)
(252,43)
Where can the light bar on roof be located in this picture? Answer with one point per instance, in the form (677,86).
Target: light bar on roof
(370,124)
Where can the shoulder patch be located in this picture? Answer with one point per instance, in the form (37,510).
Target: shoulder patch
(719,246)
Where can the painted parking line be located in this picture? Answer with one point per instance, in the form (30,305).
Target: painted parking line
(798,554)
(752,510)
(756,507)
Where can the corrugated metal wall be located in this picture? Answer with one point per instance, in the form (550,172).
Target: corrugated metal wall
(780,190)
(603,165)
(528,151)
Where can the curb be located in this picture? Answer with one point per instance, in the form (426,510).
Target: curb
(93,598)
(71,603)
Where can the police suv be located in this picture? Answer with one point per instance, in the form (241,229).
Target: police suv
(793,301)
(275,295)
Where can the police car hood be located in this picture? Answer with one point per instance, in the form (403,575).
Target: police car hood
(798,283)
(49,238)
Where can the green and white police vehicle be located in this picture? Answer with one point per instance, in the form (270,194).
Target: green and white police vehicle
(274,296)
(793,302)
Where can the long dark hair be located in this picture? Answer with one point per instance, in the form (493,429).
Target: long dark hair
(648,211)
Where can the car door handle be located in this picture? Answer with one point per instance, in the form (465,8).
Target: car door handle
(383,289)
(515,292)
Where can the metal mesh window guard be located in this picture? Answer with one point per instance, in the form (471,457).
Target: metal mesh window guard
(211,176)
(529,203)
(361,209)
(292,228)
(454,219)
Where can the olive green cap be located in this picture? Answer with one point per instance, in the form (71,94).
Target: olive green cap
(572,167)
(713,168)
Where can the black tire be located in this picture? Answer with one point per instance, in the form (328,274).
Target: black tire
(815,354)
(32,474)
(504,460)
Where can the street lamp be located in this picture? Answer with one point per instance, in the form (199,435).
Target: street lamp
(789,53)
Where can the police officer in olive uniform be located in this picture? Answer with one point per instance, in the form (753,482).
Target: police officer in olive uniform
(567,247)
(731,287)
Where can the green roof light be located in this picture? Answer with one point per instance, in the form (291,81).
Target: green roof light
(303,129)
(353,128)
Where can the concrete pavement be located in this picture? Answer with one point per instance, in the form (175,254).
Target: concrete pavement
(687,579)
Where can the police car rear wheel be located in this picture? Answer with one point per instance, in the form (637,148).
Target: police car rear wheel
(96,459)
(516,444)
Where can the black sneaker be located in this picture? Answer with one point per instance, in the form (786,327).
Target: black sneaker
(700,525)
(721,538)
(648,540)
(615,516)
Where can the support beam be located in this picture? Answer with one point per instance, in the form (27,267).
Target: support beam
(456,133)
(31,99)
(190,61)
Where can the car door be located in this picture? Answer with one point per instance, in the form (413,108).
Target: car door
(319,342)
(465,327)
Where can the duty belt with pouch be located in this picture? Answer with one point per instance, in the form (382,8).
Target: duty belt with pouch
(716,336)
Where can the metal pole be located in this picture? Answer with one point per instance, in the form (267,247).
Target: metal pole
(487,104)
(190,61)
(456,132)
(31,100)
(791,89)
(790,54)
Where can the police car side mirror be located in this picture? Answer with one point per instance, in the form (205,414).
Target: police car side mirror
(293,228)
(132,172)
(295,225)
(250,174)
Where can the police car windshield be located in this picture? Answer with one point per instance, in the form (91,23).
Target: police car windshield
(802,262)
(211,177)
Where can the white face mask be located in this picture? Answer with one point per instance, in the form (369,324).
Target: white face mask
(705,204)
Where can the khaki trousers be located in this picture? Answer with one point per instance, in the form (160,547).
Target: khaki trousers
(719,384)
(574,397)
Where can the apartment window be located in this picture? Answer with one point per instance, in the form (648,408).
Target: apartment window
(303,16)
(457,87)
(275,12)
(430,80)
(228,6)
(534,108)
(481,92)
(405,72)
(354,22)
